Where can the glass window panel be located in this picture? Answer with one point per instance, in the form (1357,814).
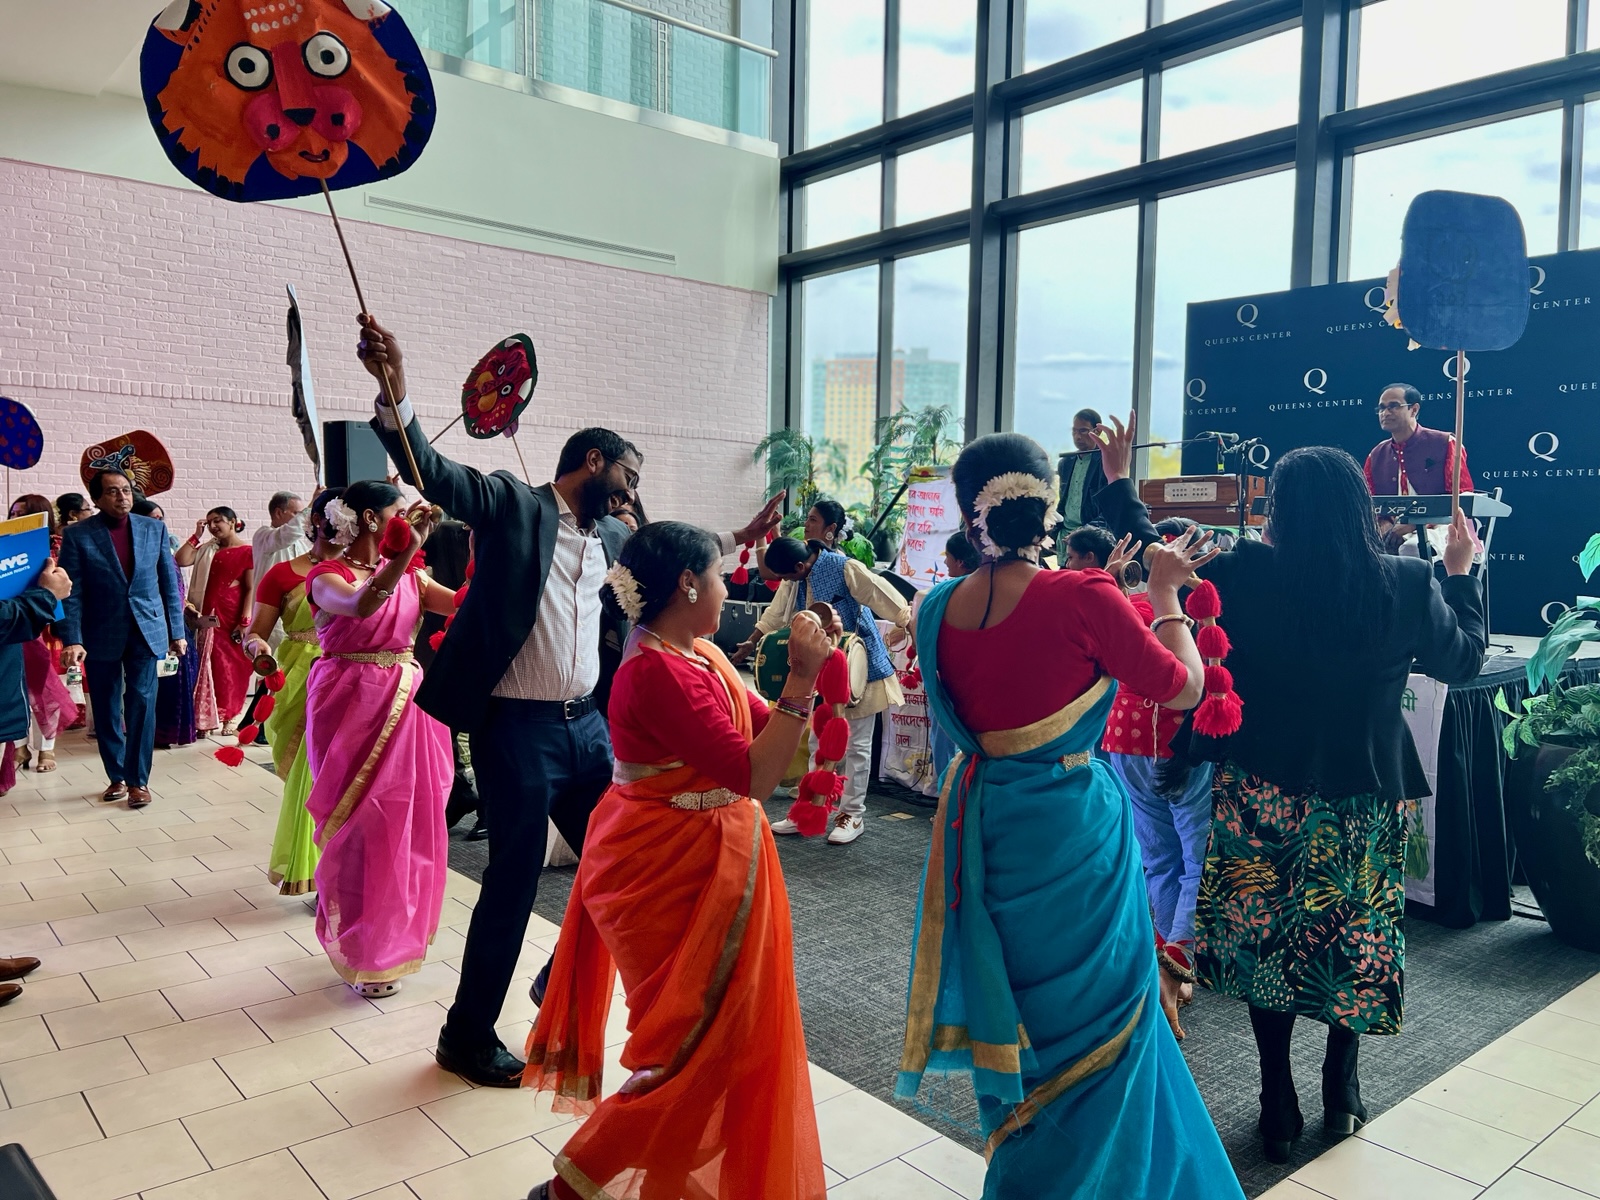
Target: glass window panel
(844,68)
(937,41)
(930,334)
(1224,96)
(839,350)
(1058,29)
(1225,241)
(1520,160)
(842,206)
(1409,46)
(1083,137)
(934,180)
(1076,296)
(1589,225)
(1172,10)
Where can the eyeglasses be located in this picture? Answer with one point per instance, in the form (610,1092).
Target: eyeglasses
(1391,407)
(632,477)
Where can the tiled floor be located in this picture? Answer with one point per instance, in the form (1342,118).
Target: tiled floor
(185,1039)
(1519,1120)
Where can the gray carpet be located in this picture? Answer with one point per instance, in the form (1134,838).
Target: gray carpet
(853,909)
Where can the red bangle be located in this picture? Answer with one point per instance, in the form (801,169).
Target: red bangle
(194,539)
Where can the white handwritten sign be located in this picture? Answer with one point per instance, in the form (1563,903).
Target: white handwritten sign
(932,515)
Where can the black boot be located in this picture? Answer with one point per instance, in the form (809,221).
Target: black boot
(1281,1121)
(1342,1110)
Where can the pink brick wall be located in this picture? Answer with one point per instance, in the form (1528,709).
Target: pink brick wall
(126,305)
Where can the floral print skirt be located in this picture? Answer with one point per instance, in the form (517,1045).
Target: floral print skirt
(1301,902)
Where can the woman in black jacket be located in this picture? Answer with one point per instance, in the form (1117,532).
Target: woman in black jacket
(1303,890)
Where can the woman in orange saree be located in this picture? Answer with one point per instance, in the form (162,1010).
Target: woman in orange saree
(680,890)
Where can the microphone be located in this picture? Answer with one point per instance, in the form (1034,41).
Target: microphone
(1209,435)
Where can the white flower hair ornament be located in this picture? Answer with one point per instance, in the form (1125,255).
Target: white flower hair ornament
(626,589)
(1014,485)
(346,524)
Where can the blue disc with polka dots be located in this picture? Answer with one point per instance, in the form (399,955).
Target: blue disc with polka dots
(21,439)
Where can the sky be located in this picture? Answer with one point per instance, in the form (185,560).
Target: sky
(1076,280)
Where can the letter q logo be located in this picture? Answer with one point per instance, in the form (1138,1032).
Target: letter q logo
(1195,389)
(1373,298)
(1560,609)
(1549,442)
(1537,288)
(1316,380)
(1449,368)
(1248,315)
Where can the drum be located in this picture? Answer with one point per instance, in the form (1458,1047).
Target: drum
(770,665)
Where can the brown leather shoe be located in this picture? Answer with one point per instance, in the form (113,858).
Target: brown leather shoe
(9,992)
(138,797)
(16,968)
(114,792)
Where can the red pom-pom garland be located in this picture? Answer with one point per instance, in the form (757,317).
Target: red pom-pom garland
(264,707)
(1221,712)
(233,756)
(275,681)
(436,639)
(809,818)
(230,756)
(833,684)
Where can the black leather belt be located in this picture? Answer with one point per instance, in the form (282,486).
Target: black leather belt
(558,710)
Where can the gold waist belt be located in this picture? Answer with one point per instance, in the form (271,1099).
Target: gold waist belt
(700,801)
(302,635)
(382,658)
(627,772)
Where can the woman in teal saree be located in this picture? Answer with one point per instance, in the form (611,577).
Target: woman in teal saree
(1034,969)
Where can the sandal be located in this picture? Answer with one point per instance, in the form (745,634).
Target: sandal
(22,756)
(377,991)
(47,761)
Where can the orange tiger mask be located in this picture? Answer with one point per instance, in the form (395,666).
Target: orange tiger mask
(264,99)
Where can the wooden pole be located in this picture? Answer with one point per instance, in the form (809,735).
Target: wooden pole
(383,378)
(1461,413)
(521,460)
(445,430)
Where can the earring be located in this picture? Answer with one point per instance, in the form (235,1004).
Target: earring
(372,525)
(694,596)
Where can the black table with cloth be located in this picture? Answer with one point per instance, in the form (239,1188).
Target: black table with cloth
(1472,850)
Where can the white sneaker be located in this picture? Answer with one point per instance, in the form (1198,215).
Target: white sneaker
(846,829)
(779,828)
(786,793)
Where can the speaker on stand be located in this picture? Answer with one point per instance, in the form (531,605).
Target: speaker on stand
(352,451)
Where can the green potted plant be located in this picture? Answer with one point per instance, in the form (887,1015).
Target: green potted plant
(1553,788)
(906,438)
(801,465)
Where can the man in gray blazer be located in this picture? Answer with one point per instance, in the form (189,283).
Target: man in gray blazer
(122,616)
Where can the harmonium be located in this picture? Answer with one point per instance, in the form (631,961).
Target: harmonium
(1207,499)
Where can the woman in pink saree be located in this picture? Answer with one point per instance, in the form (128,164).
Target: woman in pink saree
(381,767)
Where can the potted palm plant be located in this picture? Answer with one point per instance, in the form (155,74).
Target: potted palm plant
(906,438)
(801,465)
(1553,788)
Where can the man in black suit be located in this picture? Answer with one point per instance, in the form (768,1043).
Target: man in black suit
(518,673)
(1081,474)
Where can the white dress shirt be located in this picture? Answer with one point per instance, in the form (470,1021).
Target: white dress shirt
(561,658)
(271,545)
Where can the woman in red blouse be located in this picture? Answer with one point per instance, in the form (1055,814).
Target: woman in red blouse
(219,607)
(679,889)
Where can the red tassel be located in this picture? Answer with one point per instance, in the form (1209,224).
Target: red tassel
(419,562)
(1204,604)
(824,785)
(835,740)
(396,537)
(264,707)
(472,565)
(1212,642)
(230,756)
(740,576)
(274,682)
(435,640)
(772,585)
(249,733)
(810,819)
(772,535)
(819,720)
(833,684)
(1218,679)
(461,596)
(1219,715)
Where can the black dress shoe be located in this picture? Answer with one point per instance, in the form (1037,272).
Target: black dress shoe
(541,983)
(493,1067)
(480,832)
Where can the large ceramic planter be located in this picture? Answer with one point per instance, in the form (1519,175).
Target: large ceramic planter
(1550,847)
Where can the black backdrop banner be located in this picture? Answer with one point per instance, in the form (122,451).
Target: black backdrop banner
(1306,367)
